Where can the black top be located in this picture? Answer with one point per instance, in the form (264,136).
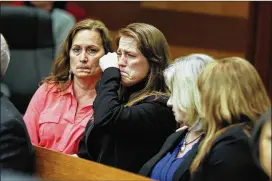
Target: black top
(230,159)
(256,134)
(125,137)
(182,173)
(16,151)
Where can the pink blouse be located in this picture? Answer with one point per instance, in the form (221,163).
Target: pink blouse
(53,121)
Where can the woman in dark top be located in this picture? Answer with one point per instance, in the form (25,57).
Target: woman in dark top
(261,142)
(232,98)
(131,118)
(173,160)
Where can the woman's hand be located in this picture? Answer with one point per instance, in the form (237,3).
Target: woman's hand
(108,60)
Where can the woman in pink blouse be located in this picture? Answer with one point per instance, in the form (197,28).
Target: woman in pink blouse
(58,112)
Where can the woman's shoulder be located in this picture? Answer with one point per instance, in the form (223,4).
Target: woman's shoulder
(232,139)
(176,136)
(231,155)
(154,98)
(48,88)
(233,133)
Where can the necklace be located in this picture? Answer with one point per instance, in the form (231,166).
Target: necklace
(184,144)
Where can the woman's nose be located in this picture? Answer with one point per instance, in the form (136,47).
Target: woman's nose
(83,57)
(83,60)
(122,60)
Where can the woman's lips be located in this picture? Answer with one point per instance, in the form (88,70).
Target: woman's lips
(123,73)
(83,68)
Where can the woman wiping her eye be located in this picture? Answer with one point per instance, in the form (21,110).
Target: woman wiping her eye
(131,118)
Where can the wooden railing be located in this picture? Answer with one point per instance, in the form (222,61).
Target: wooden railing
(51,165)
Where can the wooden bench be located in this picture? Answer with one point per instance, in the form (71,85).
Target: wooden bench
(51,165)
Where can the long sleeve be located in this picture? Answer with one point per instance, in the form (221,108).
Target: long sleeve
(32,114)
(16,149)
(230,159)
(138,120)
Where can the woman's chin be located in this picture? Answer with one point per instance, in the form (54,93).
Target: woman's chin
(83,74)
(179,121)
(125,84)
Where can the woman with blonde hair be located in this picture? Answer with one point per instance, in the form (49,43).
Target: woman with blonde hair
(173,161)
(233,97)
(60,109)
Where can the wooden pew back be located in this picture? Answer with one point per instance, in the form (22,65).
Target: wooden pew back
(51,165)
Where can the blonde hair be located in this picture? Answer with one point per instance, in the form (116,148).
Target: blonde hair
(181,79)
(229,88)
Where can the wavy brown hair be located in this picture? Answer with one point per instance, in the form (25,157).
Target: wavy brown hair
(229,88)
(153,45)
(61,67)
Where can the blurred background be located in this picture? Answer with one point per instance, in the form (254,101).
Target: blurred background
(220,29)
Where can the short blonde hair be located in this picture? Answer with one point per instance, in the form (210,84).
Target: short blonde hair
(181,79)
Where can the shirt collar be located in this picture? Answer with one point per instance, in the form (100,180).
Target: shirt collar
(70,90)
